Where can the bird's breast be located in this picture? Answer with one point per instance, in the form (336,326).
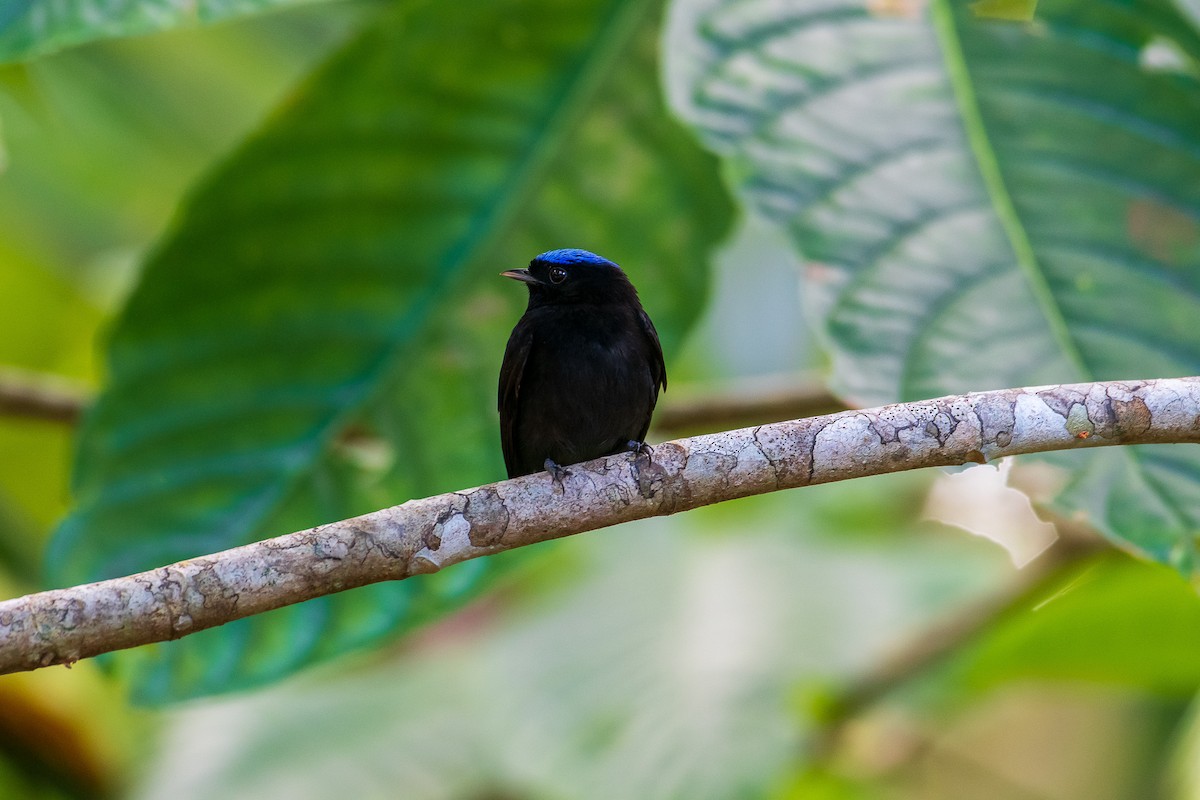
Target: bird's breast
(590,359)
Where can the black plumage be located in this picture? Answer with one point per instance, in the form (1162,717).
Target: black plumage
(583,366)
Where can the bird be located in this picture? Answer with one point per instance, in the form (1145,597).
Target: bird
(582,369)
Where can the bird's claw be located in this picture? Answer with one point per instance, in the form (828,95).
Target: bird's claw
(639,448)
(558,473)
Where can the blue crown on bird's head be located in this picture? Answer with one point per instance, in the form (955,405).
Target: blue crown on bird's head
(572,255)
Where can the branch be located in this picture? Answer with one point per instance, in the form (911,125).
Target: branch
(423,536)
(948,635)
(56,399)
(26,394)
(751,400)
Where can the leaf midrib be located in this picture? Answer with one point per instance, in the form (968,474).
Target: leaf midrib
(997,189)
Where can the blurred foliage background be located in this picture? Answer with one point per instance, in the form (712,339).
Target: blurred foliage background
(259,240)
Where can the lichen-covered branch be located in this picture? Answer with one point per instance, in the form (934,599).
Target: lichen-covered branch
(421,536)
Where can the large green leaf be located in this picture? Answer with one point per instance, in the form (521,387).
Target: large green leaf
(321,333)
(104,140)
(1113,620)
(32,27)
(983,204)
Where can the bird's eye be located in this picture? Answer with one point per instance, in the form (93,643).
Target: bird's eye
(557,274)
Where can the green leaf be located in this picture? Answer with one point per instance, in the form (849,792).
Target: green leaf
(1011,10)
(819,784)
(104,140)
(982,205)
(32,27)
(321,333)
(1113,621)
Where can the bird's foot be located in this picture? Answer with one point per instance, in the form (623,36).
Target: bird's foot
(558,473)
(644,472)
(640,450)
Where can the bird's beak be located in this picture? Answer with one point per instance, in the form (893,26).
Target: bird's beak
(520,275)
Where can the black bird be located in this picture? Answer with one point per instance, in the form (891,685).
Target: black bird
(583,366)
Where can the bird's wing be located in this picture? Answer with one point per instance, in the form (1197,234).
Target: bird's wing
(516,355)
(658,367)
